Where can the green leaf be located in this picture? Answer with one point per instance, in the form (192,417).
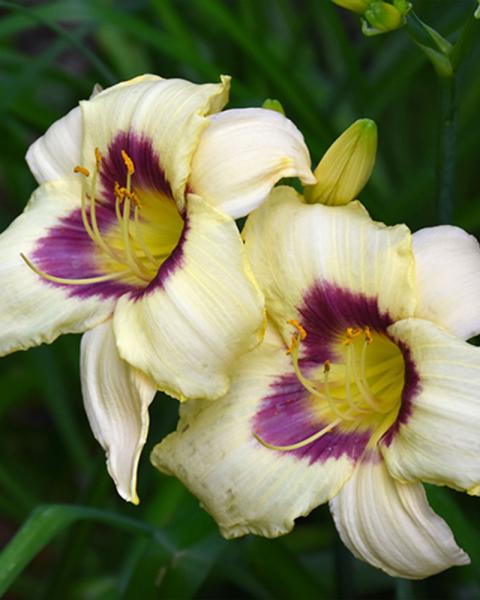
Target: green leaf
(46,522)
(466,533)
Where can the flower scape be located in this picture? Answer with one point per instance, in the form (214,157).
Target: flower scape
(321,358)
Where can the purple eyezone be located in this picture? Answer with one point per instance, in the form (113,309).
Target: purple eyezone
(149,174)
(411,389)
(68,251)
(328,310)
(287,414)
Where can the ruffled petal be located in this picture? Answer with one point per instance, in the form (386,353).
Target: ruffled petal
(391,526)
(202,311)
(245,486)
(436,439)
(242,154)
(58,151)
(116,399)
(34,310)
(448,276)
(331,260)
(170,114)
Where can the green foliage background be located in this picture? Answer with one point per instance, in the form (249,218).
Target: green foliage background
(84,541)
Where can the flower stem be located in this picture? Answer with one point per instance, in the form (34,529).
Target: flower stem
(446,150)
(403,589)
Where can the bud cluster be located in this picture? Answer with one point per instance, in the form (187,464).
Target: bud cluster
(378,16)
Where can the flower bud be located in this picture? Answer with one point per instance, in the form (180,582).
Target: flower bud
(274,104)
(346,166)
(358,6)
(382,17)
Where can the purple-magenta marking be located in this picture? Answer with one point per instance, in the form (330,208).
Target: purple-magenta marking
(67,250)
(173,262)
(327,310)
(286,415)
(148,175)
(411,388)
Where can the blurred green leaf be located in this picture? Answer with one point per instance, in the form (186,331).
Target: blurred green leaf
(48,521)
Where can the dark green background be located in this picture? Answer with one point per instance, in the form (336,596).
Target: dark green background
(312,57)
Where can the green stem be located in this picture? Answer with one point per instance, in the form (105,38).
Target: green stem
(403,589)
(446,150)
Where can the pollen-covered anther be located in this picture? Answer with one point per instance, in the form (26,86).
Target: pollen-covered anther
(128,163)
(368,334)
(98,158)
(121,193)
(82,170)
(297,336)
(350,334)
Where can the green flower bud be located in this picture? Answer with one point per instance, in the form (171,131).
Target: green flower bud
(273,104)
(346,166)
(358,6)
(382,17)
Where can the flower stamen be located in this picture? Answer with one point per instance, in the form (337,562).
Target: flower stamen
(132,257)
(83,170)
(312,438)
(66,281)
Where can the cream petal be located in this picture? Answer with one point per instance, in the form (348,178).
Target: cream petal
(116,399)
(448,276)
(338,254)
(245,486)
(36,311)
(168,113)
(242,154)
(436,439)
(58,151)
(391,525)
(203,310)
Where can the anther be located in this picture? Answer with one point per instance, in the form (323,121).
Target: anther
(368,334)
(327,366)
(301,330)
(350,334)
(98,158)
(81,170)
(299,335)
(128,163)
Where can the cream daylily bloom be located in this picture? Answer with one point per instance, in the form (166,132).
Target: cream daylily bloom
(130,235)
(364,387)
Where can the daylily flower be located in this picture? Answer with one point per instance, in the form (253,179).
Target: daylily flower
(364,387)
(131,237)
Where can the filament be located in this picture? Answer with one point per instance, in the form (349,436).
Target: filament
(83,281)
(133,257)
(302,443)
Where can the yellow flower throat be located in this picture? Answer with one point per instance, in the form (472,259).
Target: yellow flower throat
(358,390)
(146,229)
